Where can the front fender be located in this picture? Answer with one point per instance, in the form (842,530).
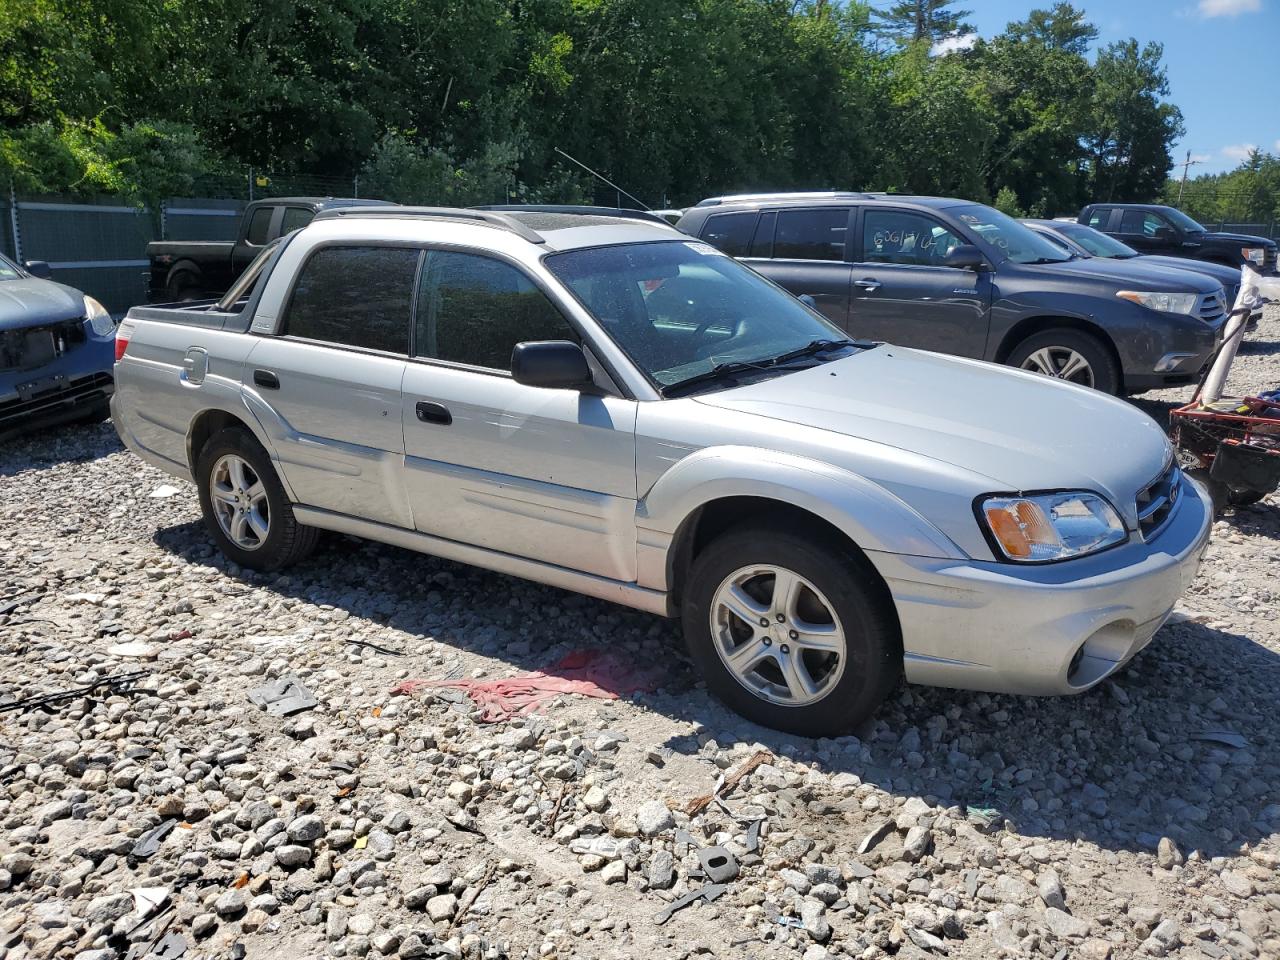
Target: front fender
(868,514)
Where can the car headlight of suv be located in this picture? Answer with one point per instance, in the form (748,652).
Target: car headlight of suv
(1255,255)
(99,318)
(1164,302)
(1051,526)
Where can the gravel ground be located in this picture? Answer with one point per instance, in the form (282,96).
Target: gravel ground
(1115,824)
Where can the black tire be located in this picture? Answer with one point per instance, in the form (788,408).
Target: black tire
(286,541)
(183,285)
(1104,371)
(1242,498)
(861,602)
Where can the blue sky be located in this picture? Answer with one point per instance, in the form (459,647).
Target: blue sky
(1220,55)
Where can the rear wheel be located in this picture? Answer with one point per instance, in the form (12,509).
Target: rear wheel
(1070,355)
(244,504)
(792,630)
(183,285)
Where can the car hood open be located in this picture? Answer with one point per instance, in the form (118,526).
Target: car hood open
(30,302)
(1022,430)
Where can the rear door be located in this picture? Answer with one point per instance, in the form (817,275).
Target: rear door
(544,474)
(333,376)
(903,294)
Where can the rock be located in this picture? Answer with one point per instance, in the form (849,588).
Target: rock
(1049,886)
(414,946)
(442,907)
(815,924)
(291,856)
(306,829)
(203,924)
(1237,884)
(335,924)
(1168,855)
(1064,926)
(595,800)
(653,817)
(229,903)
(918,842)
(360,923)
(614,872)
(661,872)
(108,908)
(52,812)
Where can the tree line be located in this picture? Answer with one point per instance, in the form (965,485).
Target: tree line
(463,101)
(1248,194)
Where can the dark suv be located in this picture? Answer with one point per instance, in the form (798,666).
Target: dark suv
(962,278)
(1152,228)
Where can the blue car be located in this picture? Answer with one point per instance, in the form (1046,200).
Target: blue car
(57,348)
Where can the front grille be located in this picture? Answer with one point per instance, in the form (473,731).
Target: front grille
(1156,501)
(1212,307)
(31,347)
(60,393)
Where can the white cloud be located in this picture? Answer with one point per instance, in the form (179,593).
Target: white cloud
(1227,8)
(954,44)
(1238,151)
(1201,157)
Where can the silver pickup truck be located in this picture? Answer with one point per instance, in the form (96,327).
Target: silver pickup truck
(609,407)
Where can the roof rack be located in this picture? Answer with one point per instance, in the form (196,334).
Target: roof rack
(583,210)
(785,195)
(482,218)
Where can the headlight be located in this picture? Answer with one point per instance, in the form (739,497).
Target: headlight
(1256,255)
(1051,526)
(1164,302)
(99,318)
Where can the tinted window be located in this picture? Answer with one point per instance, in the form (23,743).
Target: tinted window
(811,234)
(294,218)
(762,242)
(1142,222)
(474,310)
(898,236)
(1098,218)
(358,296)
(7,270)
(730,232)
(258,226)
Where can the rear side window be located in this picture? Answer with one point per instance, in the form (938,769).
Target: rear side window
(259,226)
(762,242)
(730,232)
(1098,218)
(474,310)
(355,296)
(295,218)
(811,234)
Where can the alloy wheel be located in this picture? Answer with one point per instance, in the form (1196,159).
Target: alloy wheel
(1061,363)
(778,635)
(239,500)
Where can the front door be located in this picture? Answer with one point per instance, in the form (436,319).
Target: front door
(327,388)
(903,294)
(544,474)
(1149,232)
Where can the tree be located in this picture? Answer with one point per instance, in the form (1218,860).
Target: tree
(910,21)
(1061,28)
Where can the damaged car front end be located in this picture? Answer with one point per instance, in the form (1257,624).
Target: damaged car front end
(57,347)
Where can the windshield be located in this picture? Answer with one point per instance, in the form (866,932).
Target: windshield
(1097,242)
(1182,220)
(1008,236)
(682,309)
(8,271)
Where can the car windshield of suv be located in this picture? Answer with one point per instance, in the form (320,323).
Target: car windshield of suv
(1017,242)
(1097,242)
(8,271)
(686,314)
(1185,223)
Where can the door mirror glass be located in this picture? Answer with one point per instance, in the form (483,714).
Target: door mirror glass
(965,257)
(554,364)
(38,268)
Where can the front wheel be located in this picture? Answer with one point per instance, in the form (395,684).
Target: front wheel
(1070,355)
(244,504)
(792,629)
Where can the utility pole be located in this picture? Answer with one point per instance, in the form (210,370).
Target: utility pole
(1186,164)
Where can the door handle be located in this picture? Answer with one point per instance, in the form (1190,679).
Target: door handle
(868,285)
(266,379)
(431,412)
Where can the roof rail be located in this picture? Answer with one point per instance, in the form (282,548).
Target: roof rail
(785,195)
(583,210)
(482,218)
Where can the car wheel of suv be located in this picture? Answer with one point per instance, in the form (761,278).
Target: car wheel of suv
(1068,355)
(244,504)
(791,630)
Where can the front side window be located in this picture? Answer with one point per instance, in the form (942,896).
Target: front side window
(355,296)
(899,236)
(295,218)
(1098,243)
(473,309)
(1005,236)
(680,309)
(811,234)
(730,232)
(1098,218)
(8,271)
(259,226)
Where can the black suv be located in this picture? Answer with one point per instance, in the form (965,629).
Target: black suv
(962,278)
(1152,228)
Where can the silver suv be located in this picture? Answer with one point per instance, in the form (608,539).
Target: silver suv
(610,407)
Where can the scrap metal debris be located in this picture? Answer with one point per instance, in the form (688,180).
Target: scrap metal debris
(120,683)
(149,842)
(1224,737)
(707,892)
(718,864)
(726,784)
(283,697)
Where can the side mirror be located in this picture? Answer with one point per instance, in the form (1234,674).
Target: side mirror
(555,364)
(965,257)
(38,268)
(1166,234)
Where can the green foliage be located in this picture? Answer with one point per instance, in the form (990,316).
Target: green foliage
(1248,194)
(910,21)
(1006,201)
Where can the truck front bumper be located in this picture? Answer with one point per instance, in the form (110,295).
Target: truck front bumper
(1049,629)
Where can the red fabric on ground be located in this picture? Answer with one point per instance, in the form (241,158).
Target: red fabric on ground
(589,673)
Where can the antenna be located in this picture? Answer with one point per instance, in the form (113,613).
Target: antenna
(603,178)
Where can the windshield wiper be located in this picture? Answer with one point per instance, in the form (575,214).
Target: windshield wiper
(808,350)
(1040,260)
(729,370)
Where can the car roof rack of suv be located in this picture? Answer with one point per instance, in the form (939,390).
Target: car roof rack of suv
(579,209)
(484,218)
(785,195)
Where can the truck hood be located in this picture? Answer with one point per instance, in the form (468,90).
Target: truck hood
(1023,431)
(1132,272)
(30,302)
(1244,239)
